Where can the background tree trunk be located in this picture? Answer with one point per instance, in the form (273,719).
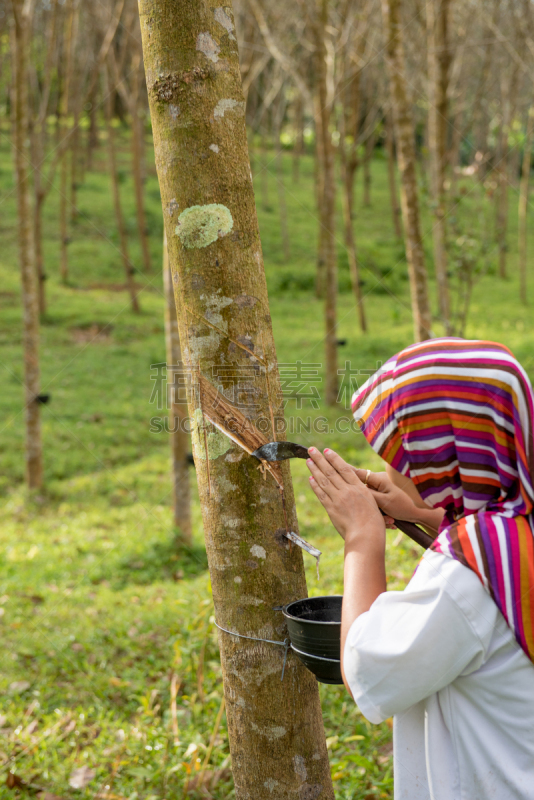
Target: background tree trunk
(282,205)
(298,145)
(347,181)
(20,51)
(191,59)
(138,161)
(63,142)
(123,237)
(390,145)
(181,495)
(438,81)
(370,143)
(523,206)
(404,136)
(327,206)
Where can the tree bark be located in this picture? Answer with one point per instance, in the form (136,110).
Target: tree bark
(390,145)
(92,131)
(20,50)
(347,182)
(123,237)
(74,162)
(438,80)
(370,143)
(264,171)
(327,207)
(282,205)
(63,134)
(298,146)
(523,206)
(178,436)
(41,186)
(404,136)
(276,732)
(137,164)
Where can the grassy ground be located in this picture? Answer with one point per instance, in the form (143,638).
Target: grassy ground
(98,608)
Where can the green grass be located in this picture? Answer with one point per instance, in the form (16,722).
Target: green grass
(99,608)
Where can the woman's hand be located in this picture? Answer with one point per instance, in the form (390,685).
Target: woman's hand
(348,502)
(393,501)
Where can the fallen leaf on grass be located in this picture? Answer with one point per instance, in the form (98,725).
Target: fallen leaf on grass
(17,687)
(81,777)
(118,682)
(48,796)
(29,729)
(14,781)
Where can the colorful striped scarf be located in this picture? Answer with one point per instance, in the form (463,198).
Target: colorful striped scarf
(457,417)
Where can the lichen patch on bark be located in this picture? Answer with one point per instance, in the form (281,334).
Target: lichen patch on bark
(206,44)
(271,732)
(258,551)
(172,207)
(300,767)
(200,226)
(223,19)
(227,104)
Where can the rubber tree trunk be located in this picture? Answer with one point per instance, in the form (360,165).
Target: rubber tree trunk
(264,171)
(298,146)
(114,175)
(75,164)
(438,81)
(38,205)
(282,205)
(20,47)
(137,165)
(327,208)
(367,161)
(320,279)
(390,145)
(405,139)
(523,206)
(508,94)
(92,131)
(347,182)
(197,107)
(63,143)
(181,495)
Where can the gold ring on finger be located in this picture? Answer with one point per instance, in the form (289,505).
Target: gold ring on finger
(366,481)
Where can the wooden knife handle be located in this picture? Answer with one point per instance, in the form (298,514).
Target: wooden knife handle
(414,532)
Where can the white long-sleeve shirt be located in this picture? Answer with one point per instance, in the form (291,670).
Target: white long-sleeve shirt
(440,658)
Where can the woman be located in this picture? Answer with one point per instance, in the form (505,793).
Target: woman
(450,657)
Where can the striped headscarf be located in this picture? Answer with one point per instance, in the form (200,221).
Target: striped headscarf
(457,418)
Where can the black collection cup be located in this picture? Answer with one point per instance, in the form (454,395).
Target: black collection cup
(314,627)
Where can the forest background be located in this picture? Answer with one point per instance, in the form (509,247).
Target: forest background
(110,678)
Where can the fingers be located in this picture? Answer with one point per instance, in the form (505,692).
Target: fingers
(377,481)
(320,478)
(341,466)
(321,467)
(319,493)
